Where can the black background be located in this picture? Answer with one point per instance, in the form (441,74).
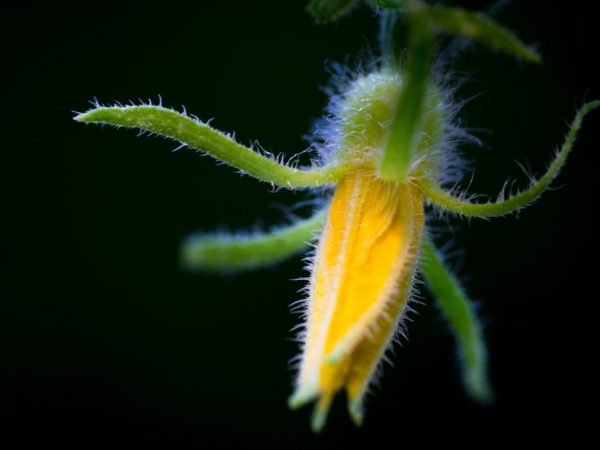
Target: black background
(108,342)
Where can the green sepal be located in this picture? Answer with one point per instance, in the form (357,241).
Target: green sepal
(447,201)
(191,132)
(220,252)
(462,319)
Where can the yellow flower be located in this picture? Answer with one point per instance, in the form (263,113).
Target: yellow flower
(386,150)
(360,284)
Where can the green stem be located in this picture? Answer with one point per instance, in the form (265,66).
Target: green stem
(168,123)
(399,148)
(462,320)
(390,48)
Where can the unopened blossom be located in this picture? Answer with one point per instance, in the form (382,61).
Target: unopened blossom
(384,151)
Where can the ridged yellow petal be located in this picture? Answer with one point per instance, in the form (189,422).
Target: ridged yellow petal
(368,353)
(359,286)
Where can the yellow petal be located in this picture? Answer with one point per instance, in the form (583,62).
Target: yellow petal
(359,286)
(368,353)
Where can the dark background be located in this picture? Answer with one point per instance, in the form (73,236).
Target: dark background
(108,342)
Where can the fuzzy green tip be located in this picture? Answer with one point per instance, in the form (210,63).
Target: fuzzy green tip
(301,397)
(318,419)
(356,412)
(100,114)
(478,388)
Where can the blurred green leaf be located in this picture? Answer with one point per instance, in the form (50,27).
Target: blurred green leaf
(478,27)
(325,11)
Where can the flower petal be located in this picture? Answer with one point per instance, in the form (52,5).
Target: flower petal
(359,286)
